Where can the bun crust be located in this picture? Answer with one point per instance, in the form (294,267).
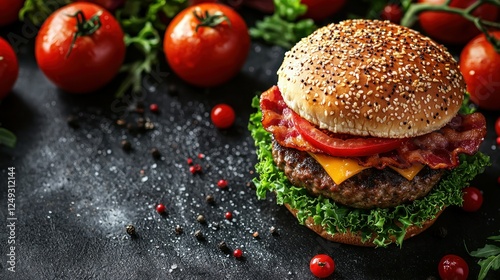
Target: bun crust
(371,78)
(355,239)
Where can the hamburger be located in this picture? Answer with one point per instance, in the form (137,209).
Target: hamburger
(364,138)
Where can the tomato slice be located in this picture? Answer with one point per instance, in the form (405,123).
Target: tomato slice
(347,146)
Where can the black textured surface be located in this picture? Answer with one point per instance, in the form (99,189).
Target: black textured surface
(76,190)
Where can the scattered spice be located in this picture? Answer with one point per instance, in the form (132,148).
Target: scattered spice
(201,156)
(223,247)
(72,121)
(238,253)
(273,231)
(199,235)
(160,208)
(155,153)
(228,215)
(210,199)
(130,230)
(215,226)
(441,232)
(222,184)
(201,219)
(178,229)
(148,125)
(154,108)
(139,108)
(121,122)
(195,169)
(126,146)
(189,161)
(256,235)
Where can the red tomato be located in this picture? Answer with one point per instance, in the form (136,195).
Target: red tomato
(497,126)
(206,54)
(321,9)
(9,68)
(92,61)
(473,199)
(452,28)
(392,12)
(222,116)
(9,11)
(480,65)
(453,267)
(350,147)
(322,266)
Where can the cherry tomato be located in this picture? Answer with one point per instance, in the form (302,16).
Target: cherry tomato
(497,126)
(322,266)
(480,66)
(452,28)
(453,267)
(473,199)
(9,11)
(92,60)
(206,44)
(392,12)
(349,147)
(222,116)
(322,9)
(9,68)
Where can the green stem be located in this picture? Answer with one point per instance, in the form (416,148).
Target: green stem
(84,27)
(411,16)
(210,20)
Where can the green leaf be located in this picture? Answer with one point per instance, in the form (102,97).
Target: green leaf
(7,138)
(486,251)
(492,262)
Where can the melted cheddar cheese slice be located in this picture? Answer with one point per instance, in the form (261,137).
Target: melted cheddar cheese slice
(341,169)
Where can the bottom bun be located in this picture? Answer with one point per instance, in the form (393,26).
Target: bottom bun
(355,239)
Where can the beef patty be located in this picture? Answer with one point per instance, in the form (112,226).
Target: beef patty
(369,188)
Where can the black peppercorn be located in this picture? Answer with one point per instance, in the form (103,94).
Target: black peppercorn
(178,229)
(210,199)
(126,146)
(201,219)
(223,247)
(72,121)
(155,153)
(130,230)
(199,235)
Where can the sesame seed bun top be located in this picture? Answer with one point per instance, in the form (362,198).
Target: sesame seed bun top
(371,78)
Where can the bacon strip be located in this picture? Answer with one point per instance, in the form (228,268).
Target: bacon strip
(438,149)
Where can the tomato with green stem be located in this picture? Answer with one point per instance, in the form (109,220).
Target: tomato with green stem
(452,28)
(9,68)
(480,66)
(9,11)
(322,266)
(206,44)
(80,47)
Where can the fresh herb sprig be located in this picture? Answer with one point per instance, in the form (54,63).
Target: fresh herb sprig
(283,28)
(411,16)
(7,138)
(490,257)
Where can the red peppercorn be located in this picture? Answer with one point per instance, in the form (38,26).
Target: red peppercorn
(195,168)
(160,208)
(238,253)
(222,184)
(200,155)
(154,108)
(189,161)
(228,215)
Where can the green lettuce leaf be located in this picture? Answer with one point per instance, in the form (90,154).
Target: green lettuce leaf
(388,225)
